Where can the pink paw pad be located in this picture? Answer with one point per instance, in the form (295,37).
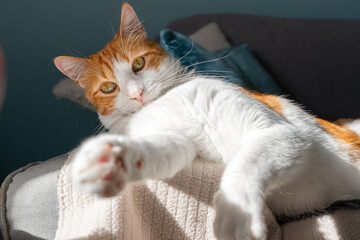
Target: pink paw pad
(102,159)
(139,164)
(108,177)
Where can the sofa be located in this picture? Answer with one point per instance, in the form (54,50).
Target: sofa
(316,62)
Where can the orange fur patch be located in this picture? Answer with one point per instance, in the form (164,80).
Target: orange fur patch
(132,47)
(271,101)
(348,139)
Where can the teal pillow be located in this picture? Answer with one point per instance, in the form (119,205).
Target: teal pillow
(236,64)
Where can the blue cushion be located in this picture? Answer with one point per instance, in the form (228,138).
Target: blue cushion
(236,64)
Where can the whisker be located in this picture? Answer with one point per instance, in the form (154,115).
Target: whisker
(132,31)
(211,60)
(106,27)
(192,47)
(214,71)
(122,47)
(96,129)
(67,46)
(112,28)
(198,63)
(122,43)
(129,47)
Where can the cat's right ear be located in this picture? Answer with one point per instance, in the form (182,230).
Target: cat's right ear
(72,67)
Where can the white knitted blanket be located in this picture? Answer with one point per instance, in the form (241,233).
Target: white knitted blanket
(177,208)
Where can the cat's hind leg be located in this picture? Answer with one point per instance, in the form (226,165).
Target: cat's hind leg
(265,159)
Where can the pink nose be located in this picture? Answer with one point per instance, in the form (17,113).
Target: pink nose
(138,96)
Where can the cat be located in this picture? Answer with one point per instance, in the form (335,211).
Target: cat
(160,117)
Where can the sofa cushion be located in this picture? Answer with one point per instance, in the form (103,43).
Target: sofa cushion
(235,64)
(314,61)
(191,54)
(29,204)
(210,37)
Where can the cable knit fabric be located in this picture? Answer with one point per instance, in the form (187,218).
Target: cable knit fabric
(177,208)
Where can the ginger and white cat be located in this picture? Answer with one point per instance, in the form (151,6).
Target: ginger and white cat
(160,117)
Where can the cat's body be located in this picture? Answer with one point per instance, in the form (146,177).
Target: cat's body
(319,171)
(274,151)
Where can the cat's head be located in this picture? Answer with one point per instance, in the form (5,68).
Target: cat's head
(128,73)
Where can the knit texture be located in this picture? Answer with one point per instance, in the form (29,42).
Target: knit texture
(178,208)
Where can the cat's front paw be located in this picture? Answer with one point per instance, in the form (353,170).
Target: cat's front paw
(234,223)
(104,164)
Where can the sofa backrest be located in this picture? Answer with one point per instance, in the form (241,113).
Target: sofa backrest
(315,61)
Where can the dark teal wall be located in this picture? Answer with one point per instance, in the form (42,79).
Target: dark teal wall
(34,125)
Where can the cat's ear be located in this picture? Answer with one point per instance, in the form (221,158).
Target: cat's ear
(130,23)
(72,67)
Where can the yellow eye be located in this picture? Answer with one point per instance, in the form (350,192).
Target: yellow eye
(138,64)
(108,87)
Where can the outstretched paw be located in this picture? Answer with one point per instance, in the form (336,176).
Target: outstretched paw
(234,223)
(104,164)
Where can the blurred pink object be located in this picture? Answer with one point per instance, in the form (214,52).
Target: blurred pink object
(2,77)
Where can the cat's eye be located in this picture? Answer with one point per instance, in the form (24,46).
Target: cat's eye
(138,64)
(108,87)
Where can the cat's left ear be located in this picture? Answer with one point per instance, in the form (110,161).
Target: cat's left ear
(130,24)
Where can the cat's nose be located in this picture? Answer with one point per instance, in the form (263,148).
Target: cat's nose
(138,96)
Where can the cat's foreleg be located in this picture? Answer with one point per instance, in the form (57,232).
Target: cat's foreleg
(104,164)
(262,161)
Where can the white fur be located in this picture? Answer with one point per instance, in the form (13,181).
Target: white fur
(287,161)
